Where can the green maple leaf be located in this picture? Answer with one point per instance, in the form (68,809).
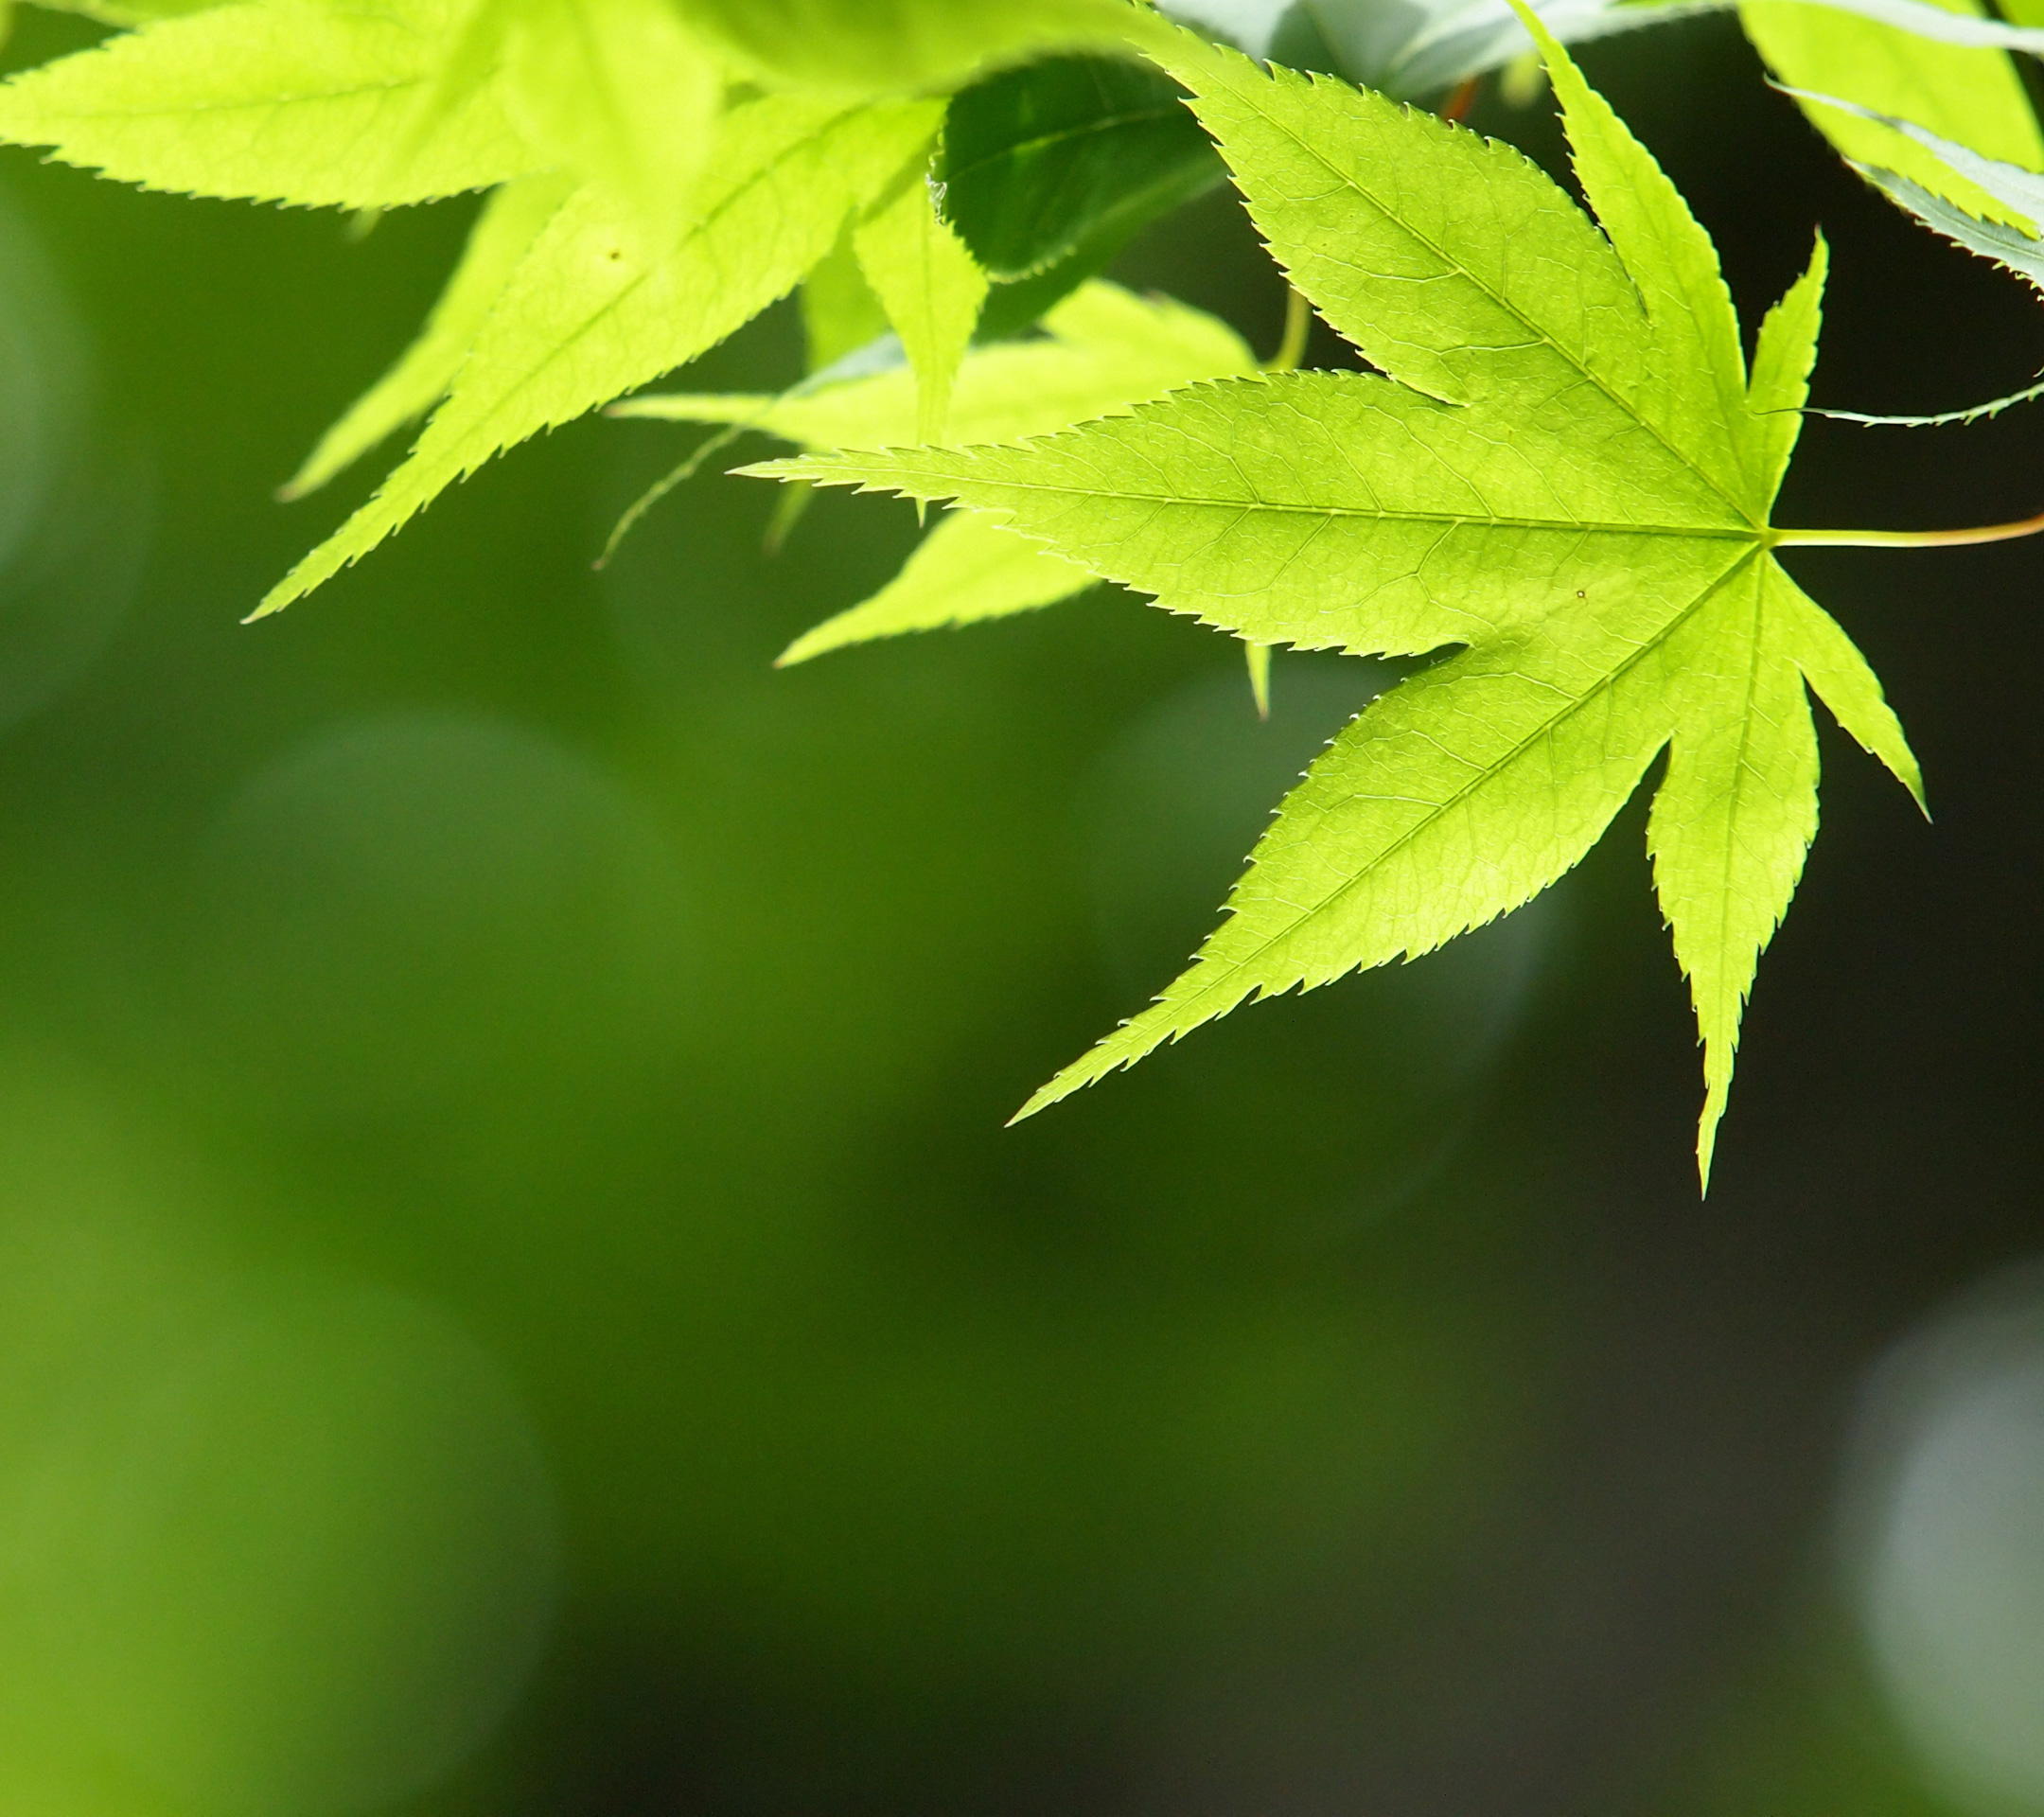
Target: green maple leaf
(1565,477)
(307,104)
(504,235)
(1102,352)
(594,311)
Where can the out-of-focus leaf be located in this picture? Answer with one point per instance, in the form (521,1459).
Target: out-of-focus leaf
(505,231)
(297,103)
(619,92)
(589,313)
(1973,97)
(888,46)
(965,571)
(2018,189)
(1102,351)
(1415,47)
(128,13)
(1411,48)
(1041,160)
(2008,246)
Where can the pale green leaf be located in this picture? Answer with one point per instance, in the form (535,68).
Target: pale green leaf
(1579,509)
(931,288)
(504,233)
(1974,97)
(286,101)
(619,92)
(2018,190)
(964,571)
(128,13)
(1104,349)
(591,314)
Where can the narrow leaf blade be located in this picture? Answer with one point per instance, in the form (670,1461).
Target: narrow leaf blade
(965,571)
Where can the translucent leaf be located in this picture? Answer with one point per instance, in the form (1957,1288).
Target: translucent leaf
(1104,351)
(621,92)
(290,101)
(1562,490)
(886,47)
(590,313)
(505,231)
(967,571)
(840,314)
(930,287)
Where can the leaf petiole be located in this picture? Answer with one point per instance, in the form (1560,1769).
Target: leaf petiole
(1908,539)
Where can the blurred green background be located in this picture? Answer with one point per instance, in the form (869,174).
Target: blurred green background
(515,1296)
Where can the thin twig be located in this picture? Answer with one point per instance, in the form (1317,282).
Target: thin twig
(660,487)
(1298,327)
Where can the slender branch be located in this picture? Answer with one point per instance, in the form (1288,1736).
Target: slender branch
(1908,539)
(1297,326)
(660,487)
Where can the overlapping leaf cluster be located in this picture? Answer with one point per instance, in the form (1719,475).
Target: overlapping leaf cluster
(1558,490)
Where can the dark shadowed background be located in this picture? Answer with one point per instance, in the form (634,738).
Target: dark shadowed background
(515,1294)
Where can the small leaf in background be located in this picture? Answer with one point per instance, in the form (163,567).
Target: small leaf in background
(930,287)
(1973,97)
(2013,247)
(1103,351)
(504,233)
(1565,479)
(2017,188)
(264,103)
(619,92)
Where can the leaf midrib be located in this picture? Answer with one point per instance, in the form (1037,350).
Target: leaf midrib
(1354,182)
(266,103)
(1572,526)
